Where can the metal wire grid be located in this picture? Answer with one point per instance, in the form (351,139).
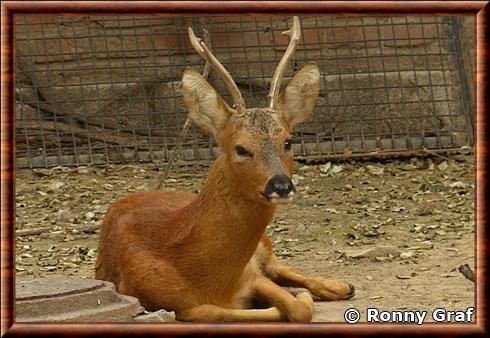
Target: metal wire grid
(98,89)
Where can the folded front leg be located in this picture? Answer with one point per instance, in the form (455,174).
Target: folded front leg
(324,289)
(213,313)
(297,309)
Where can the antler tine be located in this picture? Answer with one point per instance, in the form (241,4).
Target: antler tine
(294,36)
(205,53)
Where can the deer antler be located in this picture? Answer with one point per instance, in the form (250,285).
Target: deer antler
(294,35)
(204,51)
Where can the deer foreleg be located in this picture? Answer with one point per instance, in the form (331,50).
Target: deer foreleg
(297,309)
(213,313)
(324,289)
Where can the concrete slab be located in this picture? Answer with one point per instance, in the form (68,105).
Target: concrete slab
(55,286)
(72,300)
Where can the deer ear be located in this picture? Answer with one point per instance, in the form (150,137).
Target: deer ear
(205,106)
(297,100)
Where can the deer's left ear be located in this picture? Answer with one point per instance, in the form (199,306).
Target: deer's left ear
(205,106)
(297,100)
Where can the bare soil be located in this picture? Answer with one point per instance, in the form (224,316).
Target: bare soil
(398,230)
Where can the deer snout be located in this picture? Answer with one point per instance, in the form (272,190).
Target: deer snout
(279,188)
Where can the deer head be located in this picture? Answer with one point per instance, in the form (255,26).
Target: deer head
(254,143)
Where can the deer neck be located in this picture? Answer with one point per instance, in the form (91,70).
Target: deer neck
(230,224)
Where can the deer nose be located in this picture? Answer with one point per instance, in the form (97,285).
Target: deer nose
(280,185)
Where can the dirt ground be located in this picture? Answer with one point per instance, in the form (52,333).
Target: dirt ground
(398,229)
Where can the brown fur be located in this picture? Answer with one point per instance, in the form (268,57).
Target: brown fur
(204,256)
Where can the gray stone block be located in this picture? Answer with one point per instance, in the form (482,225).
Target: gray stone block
(72,300)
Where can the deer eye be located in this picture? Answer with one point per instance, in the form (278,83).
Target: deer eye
(287,145)
(240,151)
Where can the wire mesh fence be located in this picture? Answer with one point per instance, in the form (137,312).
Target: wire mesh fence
(99,89)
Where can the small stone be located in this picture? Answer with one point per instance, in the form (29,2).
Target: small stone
(158,316)
(457,184)
(377,171)
(92,253)
(443,165)
(336,169)
(56,185)
(64,215)
(69,238)
(406,254)
(49,268)
(427,244)
(89,215)
(325,169)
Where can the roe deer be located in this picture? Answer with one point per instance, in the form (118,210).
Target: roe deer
(206,256)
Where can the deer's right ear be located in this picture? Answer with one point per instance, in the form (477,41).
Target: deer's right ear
(205,106)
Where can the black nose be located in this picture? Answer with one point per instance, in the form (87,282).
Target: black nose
(279,184)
